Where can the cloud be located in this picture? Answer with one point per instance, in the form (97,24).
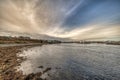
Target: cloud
(74,19)
(91,32)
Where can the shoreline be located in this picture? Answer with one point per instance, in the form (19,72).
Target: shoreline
(9,61)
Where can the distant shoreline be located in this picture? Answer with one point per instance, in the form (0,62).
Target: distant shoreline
(96,42)
(28,40)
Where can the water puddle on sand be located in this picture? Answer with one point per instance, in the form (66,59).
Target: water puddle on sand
(72,61)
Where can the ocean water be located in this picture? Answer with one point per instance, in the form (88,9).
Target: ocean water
(73,61)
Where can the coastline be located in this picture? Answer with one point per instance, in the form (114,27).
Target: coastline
(9,61)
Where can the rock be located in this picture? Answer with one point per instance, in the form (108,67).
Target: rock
(46,70)
(40,67)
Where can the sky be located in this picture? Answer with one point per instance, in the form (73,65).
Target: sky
(73,19)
